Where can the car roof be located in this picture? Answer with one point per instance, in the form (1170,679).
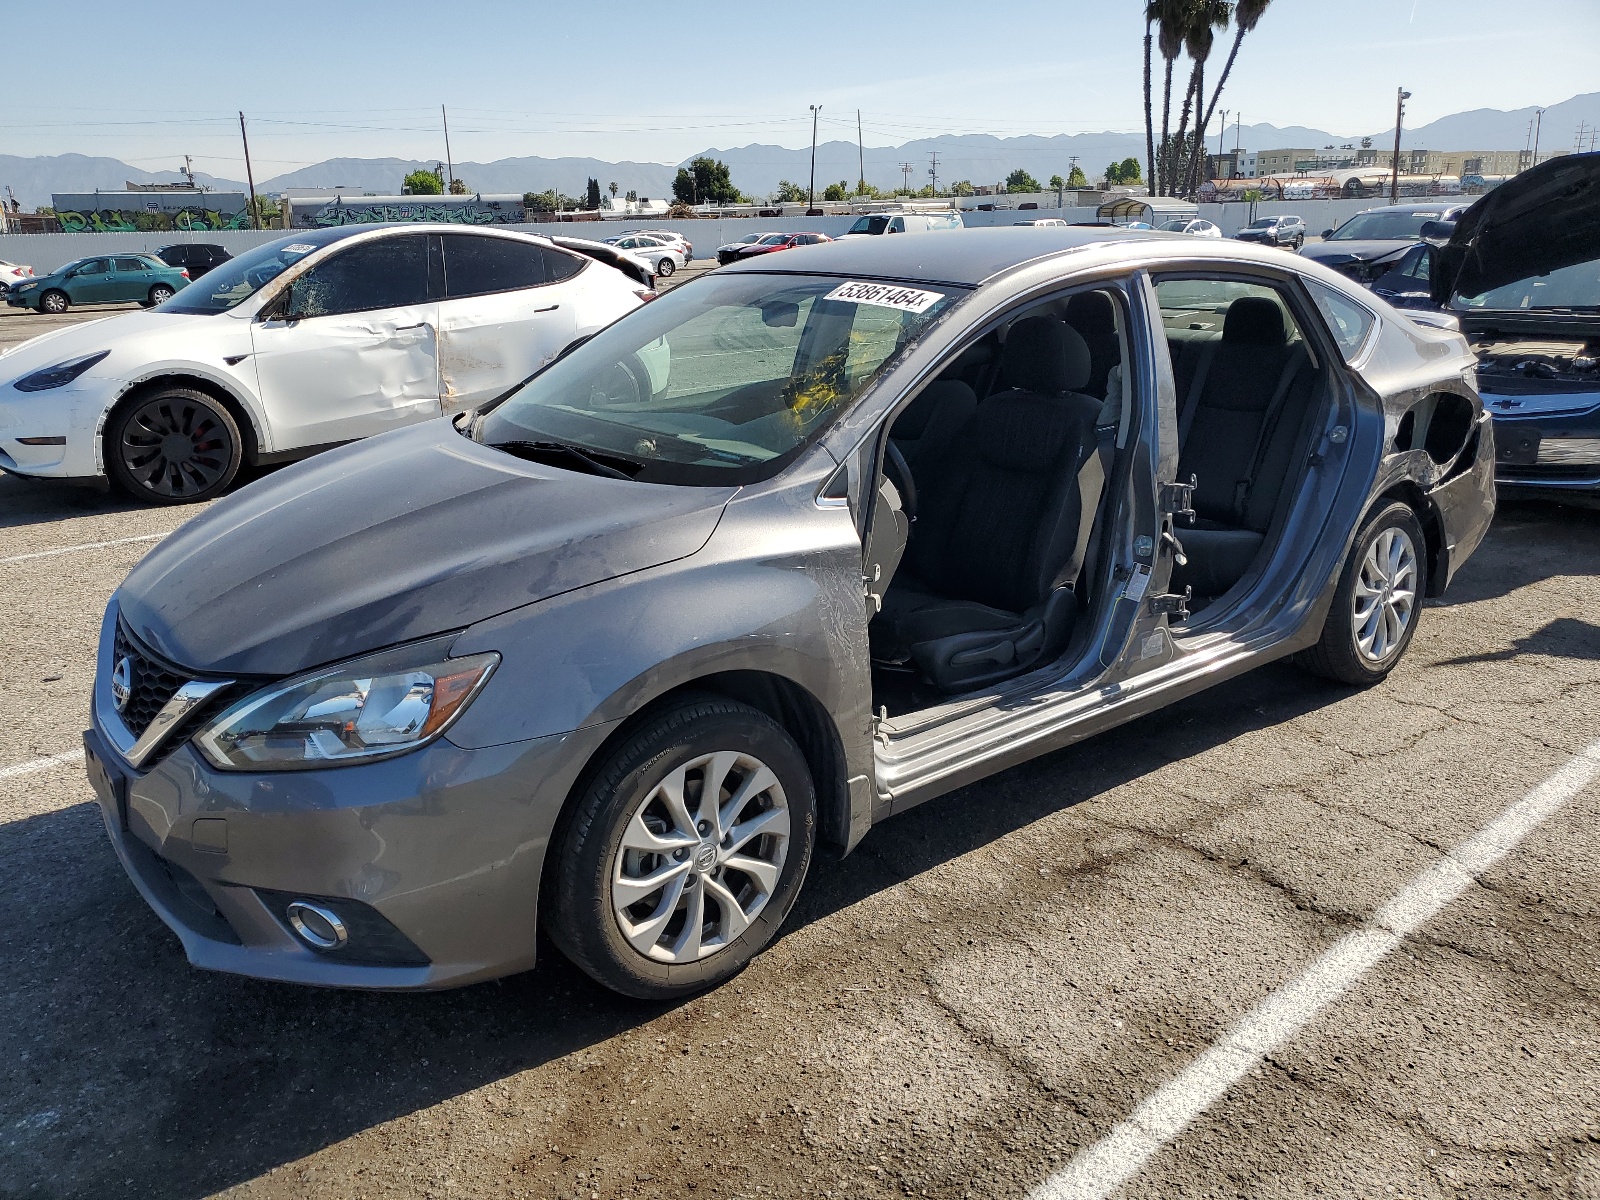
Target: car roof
(960,256)
(1442,204)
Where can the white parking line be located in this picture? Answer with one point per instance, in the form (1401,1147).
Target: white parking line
(1104,1167)
(41,764)
(143,537)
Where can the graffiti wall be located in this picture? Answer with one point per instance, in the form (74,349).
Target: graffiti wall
(320,212)
(151,212)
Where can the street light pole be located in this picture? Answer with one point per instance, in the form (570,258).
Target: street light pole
(1401,96)
(250,176)
(1538,115)
(811,191)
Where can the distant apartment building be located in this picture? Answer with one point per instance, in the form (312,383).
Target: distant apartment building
(1302,160)
(1234,164)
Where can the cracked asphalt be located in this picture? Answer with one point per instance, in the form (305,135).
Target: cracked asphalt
(987,986)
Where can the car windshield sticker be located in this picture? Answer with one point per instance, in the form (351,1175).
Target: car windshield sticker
(886,295)
(298,248)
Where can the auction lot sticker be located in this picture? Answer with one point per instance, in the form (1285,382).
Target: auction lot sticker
(886,295)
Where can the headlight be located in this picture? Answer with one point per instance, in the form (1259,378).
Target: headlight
(59,375)
(368,708)
(25,287)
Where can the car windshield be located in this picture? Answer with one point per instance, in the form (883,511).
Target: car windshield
(1263,223)
(236,280)
(772,239)
(1173,226)
(1384,227)
(1574,287)
(869,225)
(724,382)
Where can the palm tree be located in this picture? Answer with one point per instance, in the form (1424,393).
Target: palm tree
(613,188)
(1171,21)
(1204,17)
(1149,120)
(1246,13)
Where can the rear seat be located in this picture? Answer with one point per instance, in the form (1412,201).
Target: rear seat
(1241,401)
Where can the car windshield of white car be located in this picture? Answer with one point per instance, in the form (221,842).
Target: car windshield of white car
(724,382)
(869,225)
(1383,227)
(236,280)
(1571,288)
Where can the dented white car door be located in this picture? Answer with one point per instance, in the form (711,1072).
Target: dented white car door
(353,350)
(507,310)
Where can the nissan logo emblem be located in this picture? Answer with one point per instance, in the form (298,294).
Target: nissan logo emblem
(121,683)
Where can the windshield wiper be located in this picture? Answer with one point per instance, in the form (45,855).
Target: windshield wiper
(536,450)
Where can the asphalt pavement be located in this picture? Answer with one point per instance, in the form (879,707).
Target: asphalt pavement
(973,1004)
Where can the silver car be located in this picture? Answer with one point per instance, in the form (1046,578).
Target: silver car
(794,548)
(664,257)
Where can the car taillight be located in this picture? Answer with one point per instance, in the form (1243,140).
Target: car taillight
(184,271)
(644,294)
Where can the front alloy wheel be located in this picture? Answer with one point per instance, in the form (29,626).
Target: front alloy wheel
(685,853)
(173,446)
(54,302)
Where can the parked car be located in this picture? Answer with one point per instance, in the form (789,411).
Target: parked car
(663,257)
(1193,226)
(1043,222)
(1283,230)
(12,273)
(103,279)
(727,254)
(614,652)
(780,241)
(874,224)
(1371,242)
(729,250)
(1521,274)
(313,339)
(667,235)
(195,257)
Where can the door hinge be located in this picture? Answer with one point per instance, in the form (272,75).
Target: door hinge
(1178,498)
(1172,604)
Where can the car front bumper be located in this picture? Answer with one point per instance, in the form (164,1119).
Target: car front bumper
(431,859)
(1556,450)
(73,413)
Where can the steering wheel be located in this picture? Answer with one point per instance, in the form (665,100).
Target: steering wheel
(899,472)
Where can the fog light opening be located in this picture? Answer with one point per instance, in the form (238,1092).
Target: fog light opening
(317,926)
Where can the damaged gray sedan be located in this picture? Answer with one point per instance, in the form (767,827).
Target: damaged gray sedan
(788,551)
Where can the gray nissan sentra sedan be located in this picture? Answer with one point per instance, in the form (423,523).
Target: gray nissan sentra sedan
(792,549)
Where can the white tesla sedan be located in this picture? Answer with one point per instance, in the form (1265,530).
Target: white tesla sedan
(306,342)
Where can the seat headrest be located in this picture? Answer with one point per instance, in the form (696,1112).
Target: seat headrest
(1044,355)
(1091,312)
(913,421)
(1254,321)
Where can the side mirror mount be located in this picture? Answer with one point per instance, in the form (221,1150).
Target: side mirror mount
(1438,231)
(1326,234)
(780,314)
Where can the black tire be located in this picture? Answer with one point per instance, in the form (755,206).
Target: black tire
(160,294)
(1338,654)
(587,850)
(665,267)
(1299,240)
(173,445)
(54,301)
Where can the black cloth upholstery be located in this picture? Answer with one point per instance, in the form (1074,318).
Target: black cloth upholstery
(931,422)
(1256,391)
(1043,355)
(1094,316)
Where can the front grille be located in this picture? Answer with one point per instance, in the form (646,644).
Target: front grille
(151,682)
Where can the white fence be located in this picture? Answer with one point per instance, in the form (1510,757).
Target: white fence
(44,252)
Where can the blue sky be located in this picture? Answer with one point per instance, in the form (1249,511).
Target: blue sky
(654,83)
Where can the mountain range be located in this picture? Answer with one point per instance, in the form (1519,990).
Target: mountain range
(756,169)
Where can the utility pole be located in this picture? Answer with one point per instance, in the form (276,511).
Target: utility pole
(250,176)
(450,166)
(934,170)
(811,191)
(905,176)
(1401,96)
(861,158)
(1222,132)
(188,170)
(1538,124)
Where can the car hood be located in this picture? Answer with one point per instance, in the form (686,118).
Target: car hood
(1333,253)
(1544,219)
(138,334)
(412,533)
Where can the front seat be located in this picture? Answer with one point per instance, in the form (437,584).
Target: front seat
(1004,522)
(933,420)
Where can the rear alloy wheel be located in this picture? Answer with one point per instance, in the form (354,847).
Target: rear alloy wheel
(685,853)
(173,446)
(1299,240)
(665,267)
(160,294)
(1375,610)
(54,302)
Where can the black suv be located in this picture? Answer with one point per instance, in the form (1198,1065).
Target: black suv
(198,257)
